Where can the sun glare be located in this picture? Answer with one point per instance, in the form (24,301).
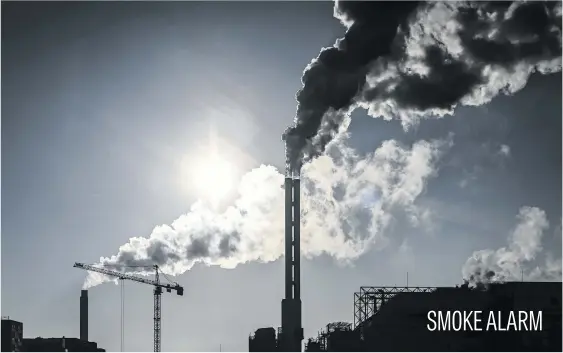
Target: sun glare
(210,171)
(213,178)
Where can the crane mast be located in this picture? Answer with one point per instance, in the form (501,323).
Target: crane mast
(157,292)
(157,302)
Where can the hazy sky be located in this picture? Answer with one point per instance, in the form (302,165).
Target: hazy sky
(104,106)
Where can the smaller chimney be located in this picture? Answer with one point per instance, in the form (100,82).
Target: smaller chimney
(84,315)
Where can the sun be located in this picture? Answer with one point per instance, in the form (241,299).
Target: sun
(213,177)
(209,170)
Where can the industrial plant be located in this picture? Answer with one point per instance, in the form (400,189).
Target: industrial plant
(157,291)
(13,340)
(401,62)
(396,319)
(12,331)
(384,316)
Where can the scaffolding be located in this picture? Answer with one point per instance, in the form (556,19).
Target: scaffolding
(368,301)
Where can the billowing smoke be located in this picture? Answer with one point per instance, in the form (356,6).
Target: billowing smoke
(410,60)
(402,60)
(347,202)
(517,259)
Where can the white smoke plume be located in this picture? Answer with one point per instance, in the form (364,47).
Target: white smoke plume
(347,203)
(514,261)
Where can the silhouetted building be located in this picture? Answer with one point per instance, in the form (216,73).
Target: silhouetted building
(263,340)
(313,345)
(59,345)
(396,319)
(12,335)
(336,337)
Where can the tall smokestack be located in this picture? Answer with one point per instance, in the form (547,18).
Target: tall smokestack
(297,259)
(292,332)
(288,238)
(84,315)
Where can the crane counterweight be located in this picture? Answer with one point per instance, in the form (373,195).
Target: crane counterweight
(157,292)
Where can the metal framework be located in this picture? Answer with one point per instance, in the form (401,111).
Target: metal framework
(322,338)
(368,301)
(157,311)
(157,292)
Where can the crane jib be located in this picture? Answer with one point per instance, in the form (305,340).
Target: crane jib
(169,287)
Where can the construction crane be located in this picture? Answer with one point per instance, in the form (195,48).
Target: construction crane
(157,291)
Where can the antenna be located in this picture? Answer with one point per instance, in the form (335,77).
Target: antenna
(407,279)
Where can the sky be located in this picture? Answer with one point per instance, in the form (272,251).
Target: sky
(108,111)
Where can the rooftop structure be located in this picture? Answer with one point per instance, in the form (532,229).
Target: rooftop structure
(396,319)
(62,344)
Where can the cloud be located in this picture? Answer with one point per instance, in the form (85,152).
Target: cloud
(504,150)
(509,263)
(414,60)
(348,201)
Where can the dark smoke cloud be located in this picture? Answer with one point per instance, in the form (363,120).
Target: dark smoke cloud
(481,280)
(338,74)
(407,60)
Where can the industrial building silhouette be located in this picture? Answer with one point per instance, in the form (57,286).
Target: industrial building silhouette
(395,319)
(62,344)
(12,335)
(13,341)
